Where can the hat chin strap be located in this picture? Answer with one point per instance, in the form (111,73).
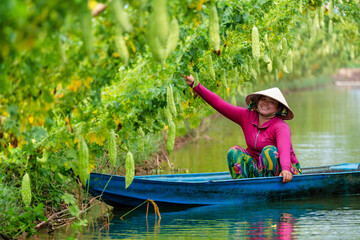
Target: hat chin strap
(268,115)
(253,106)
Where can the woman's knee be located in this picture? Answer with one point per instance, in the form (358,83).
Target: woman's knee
(234,152)
(268,161)
(270,148)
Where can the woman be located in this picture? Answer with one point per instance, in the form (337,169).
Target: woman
(268,137)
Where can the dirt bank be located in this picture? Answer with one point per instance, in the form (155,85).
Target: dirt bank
(347,74)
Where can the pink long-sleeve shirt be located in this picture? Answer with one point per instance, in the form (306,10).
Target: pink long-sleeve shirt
(274,132)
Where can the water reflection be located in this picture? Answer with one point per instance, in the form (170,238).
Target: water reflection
(295,219)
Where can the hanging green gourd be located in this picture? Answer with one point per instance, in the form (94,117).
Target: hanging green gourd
(160,19)
(171,138)
(112,151)
(158,30)
(210,66)
(130,169)
(83,161)
(26,190)
(120,15)
(170,100)
(285,69)
(269,66)
(255,43)
(268,62)
(284,45)
(168,113)
(276,75)
(331,9)
(214,27)
(121,47)
(278,64)
(266,40)
(141,142)
(141,12)
(141,132)
(309,21)
(317,21)
(44,158)
(321,16)
(289,61)
(235,74)
(173,39)
(253,72)
(157,50)
(330,26)
(248,65)
(246,68)
(256,67)
(87,33)
(266,58)
(352,52)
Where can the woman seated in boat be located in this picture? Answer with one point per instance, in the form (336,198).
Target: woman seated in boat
(269,149)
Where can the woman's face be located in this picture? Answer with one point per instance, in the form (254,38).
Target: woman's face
(268,105)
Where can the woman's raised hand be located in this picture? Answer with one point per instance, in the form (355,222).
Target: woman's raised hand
(189,80)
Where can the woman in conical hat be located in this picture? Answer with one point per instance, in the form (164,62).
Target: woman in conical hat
(269,149)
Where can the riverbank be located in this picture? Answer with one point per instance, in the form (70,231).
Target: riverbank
(347,77)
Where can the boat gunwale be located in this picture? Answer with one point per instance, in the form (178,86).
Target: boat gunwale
(141,179)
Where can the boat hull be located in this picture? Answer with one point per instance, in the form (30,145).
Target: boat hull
(219,188)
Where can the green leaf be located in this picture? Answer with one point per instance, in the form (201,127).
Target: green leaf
(74,210)
(68,198)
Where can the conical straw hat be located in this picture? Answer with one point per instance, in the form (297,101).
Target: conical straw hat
(273,93)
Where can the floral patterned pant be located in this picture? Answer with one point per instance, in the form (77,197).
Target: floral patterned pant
(242,165)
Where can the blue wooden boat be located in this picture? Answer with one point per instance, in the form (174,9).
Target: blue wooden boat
(219,188)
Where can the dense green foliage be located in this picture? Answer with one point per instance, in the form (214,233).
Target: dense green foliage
(68,78)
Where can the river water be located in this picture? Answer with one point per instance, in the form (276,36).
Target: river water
(324,131)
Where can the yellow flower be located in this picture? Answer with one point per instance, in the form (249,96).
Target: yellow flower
(92,4)
(97,138)
(91,167)
(74,85)
(87,82)
(31,119)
